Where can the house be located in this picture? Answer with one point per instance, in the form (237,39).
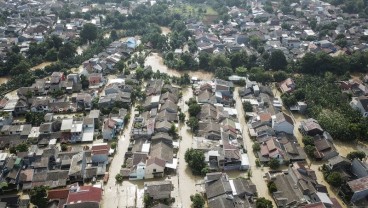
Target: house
(100,153)
(287,195)
(88,129)
(56,81)
(283,123)
(324,148)
(310,127)
(270,149)
(158,189)
(40,105)
(154,168)
(76,131)
(109,129)
(222,192)
(138,166)
(359,188)
(95,80)
(84,101)
(287,86)
(360,104)
(359,168)
(83,196)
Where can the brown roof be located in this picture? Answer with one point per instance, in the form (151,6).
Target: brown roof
(57,194)
(358,185)
(157,161)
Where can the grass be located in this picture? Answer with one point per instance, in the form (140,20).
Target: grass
(187,9)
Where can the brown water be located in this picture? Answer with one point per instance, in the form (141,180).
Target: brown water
(257,173)
(157,63)
(4,80)
(42,65)
(165,30)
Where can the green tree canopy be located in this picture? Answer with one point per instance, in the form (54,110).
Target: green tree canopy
(263,203)
(38,196)
(195,160)
(277,60)
(197,200)
(88,32)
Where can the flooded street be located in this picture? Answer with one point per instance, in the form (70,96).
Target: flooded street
(157,63)
(187,183)
(257,173)
(113,193)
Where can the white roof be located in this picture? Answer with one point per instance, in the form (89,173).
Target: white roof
(66,124)
(176,145)
(245,160)
(52,142)
(172,165)
(155,99)
(146,147)
(77,127)
(88,135)
(324,198)
(35,132)
(238,126)
(3,156)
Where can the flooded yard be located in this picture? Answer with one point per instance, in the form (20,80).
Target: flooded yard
(41,66)
(4,80)
(165,30)
(157,63)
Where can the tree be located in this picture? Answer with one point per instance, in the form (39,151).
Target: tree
(197,200)
(195,160)
(67,51)
(88,32)
(204,59)
(64,147)
(356,154)
(309,150)
(271,187)
(193,124)
(263,203)
(247,106)
(256,147)
(218,61)
(238,59)
(335,179)
(173,131)
(119,178)
(274,163)
(113,145)
(194,109)
(277,60)
(38,196)
(84,82)
(51,55)
(308,140)
(23,147)
(181,117)
(223,72)
(279,76)
(35,118)
(114,35)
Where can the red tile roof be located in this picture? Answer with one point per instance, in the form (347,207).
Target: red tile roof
(85,194)
(57,194)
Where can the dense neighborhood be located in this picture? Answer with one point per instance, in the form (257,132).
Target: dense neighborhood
(156,104)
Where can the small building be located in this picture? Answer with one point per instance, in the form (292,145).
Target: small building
(158,189)
(359,188)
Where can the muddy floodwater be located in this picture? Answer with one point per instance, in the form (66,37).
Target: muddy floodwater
(157,63)
(165,30)
(4,80)
(41,66)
